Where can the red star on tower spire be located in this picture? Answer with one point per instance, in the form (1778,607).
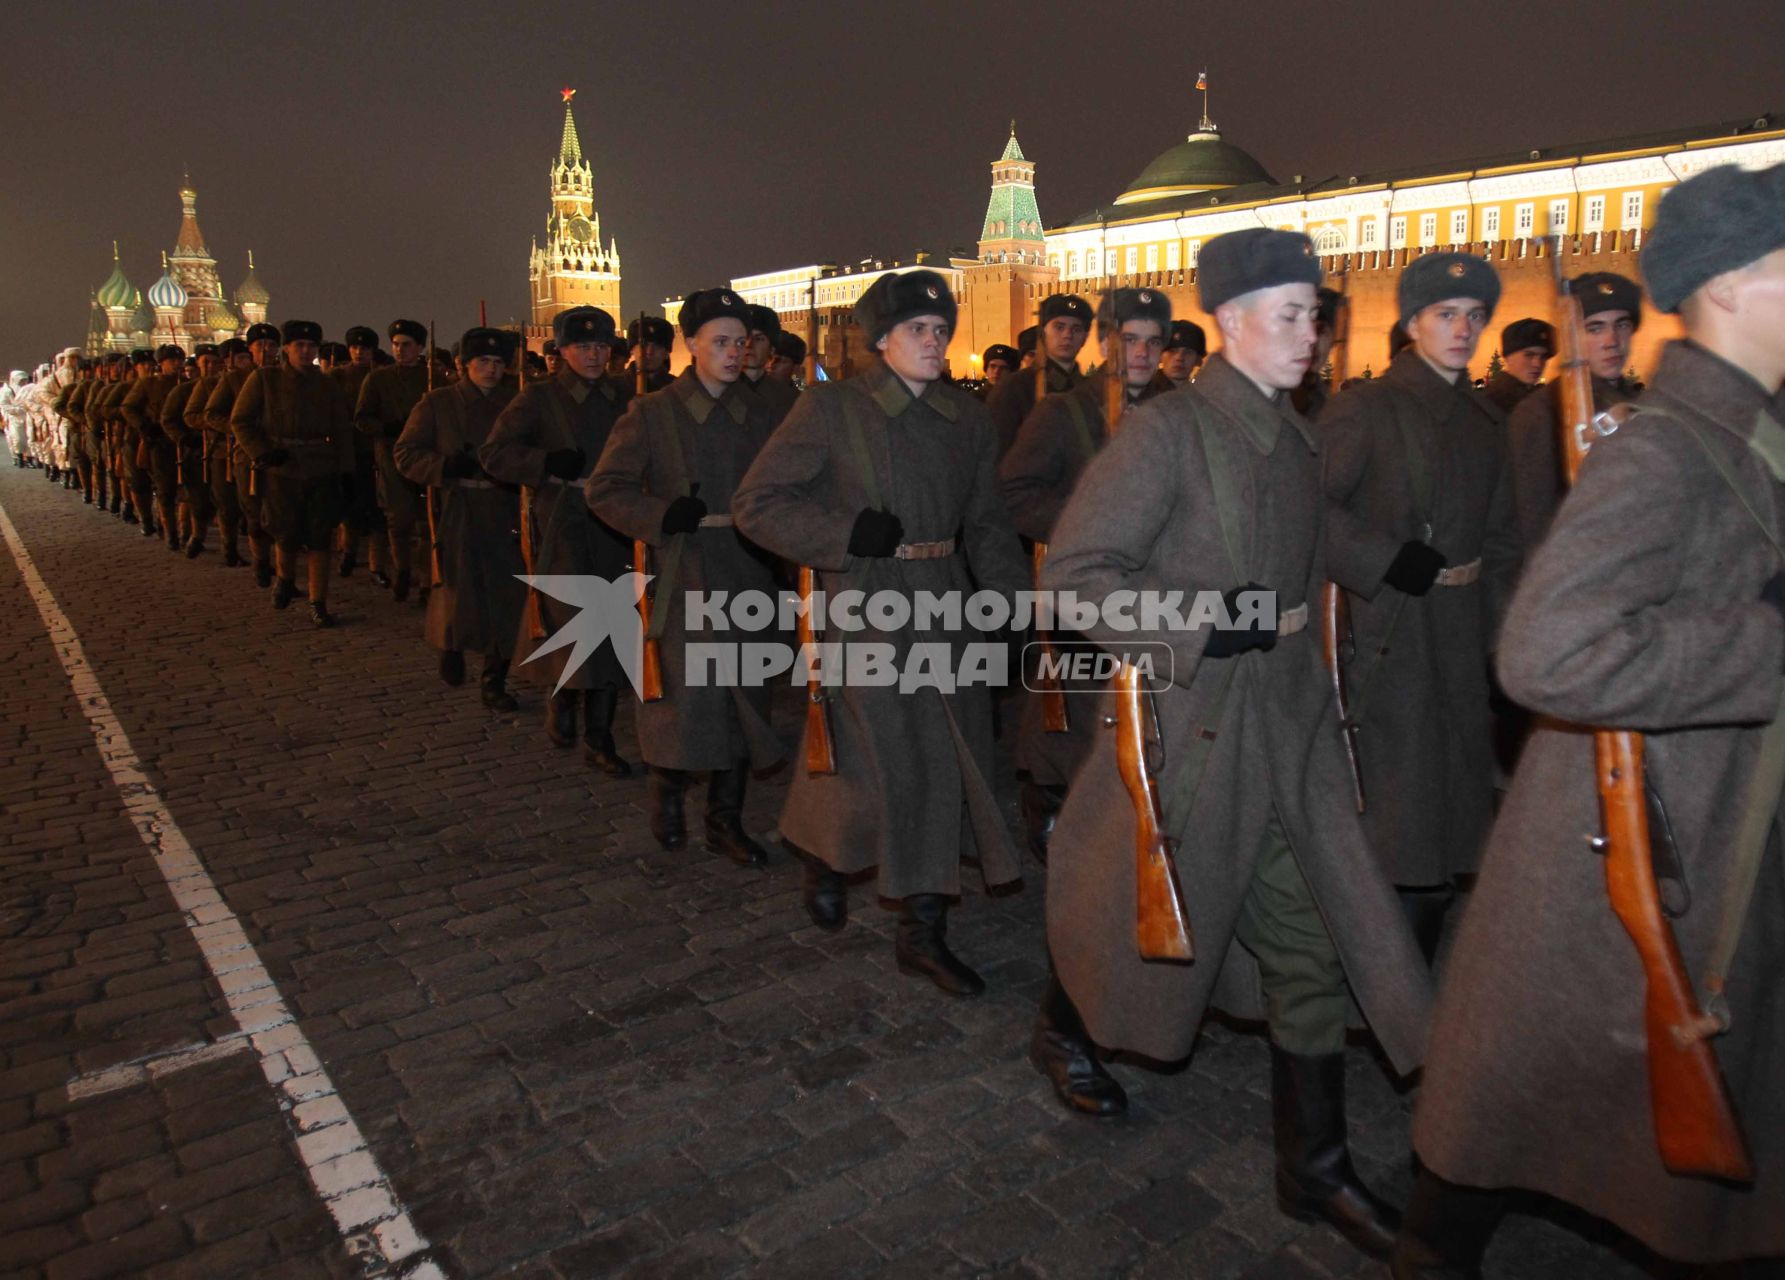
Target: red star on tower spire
(568,93)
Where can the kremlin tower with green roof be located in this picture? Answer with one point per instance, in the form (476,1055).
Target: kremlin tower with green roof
(1012,231)
(572,268)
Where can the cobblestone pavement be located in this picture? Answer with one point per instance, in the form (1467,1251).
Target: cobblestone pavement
(573,1054)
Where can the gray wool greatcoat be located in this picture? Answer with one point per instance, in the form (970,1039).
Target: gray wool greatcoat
(1013,399)
(1424,738)
(1642,610)
(668,441)
(1147,517)
(1038,473)
(912,792)
(561,412)
(1534,435)
(477,604)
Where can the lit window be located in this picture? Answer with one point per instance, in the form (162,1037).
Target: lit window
(1595,220)
(1397,234)
(1367,233)
(1490,223)
(1428,228)
(1152,257)
(1174,255)
(1133,260)
(1072,263)
(1194,252)
(1558,217)
(1632,210)
(1459,226)
(1526,220)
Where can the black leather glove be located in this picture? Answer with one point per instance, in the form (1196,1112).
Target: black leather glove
(684,514)
(459,466)
(1415,568)
(876,533)
(273,458)
(1773,593)
(566,464)
(347,486)
(1230,642)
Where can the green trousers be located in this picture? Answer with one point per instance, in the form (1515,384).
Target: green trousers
(1306,999)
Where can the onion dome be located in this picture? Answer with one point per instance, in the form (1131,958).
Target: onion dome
(220,319)
(143,320)
(251,291)
(167,294)
(1201,162)
(116,291)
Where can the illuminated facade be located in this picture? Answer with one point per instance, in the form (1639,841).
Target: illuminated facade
(572,268)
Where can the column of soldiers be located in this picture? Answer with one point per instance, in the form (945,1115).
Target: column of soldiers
(1316,885)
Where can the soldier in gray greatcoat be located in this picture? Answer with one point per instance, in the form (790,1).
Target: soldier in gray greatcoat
(295,427)
(776,394)
(141,409)
(1525,347)
(386,395)
(887,483)
(1657,605)
(189,441)
(1422,536)
(1612,305)
(1060,333)
(666,479)
(262,353)
(1061,434)
(1215,490)
(477,602)
(547,440)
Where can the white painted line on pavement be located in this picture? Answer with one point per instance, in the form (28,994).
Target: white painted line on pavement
(373,1223)
(154,1066)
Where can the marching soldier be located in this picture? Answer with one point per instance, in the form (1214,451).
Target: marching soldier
(387,395)
(789,357)
(549,353)
(1185,350)
(132,445)
(72,404)
(156,453)
(1061,435)
(477,602)
(1612,305)
(547,440)
(214,447)
(364,520)
(1311,397)
(293,423)
(1657,605)
(1064,323)
(779,396)
(998,363)
(189,442)
(1525,347)
(262,341)
(1218,489)
(665,478)
(93,433)
(652,338)
(887,482)
(1422,535)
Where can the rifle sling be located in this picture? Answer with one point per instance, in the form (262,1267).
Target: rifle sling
(1761,802)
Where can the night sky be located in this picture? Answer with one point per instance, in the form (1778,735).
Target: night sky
(386,160)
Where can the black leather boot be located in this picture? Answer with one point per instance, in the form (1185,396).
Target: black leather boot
(452,668)
(380,578)
(320,615)
(263,573)
(921,946)
(347,564)
(400,592)
(598,732)
(1315,1180)
(495,685)
(725,818)
(232,555)
(560,717)
(284,593)
(667,823)
(1446,1231)
(1041,808)
(1061,1050)
(826,894)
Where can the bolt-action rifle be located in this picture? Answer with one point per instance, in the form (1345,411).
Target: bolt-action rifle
(650,675)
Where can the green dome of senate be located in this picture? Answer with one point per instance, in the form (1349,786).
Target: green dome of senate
(1201,162)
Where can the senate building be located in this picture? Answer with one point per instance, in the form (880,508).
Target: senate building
(1597,197)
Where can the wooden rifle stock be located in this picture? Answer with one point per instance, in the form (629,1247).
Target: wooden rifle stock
(650,676)
(1696,1128)
(1335,631)
(436,577)
(1047,679)
(535,623)
(821,750)
(1161,921)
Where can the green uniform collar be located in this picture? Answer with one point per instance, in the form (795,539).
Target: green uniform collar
(888,391)
(700,405)
(1261,417)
